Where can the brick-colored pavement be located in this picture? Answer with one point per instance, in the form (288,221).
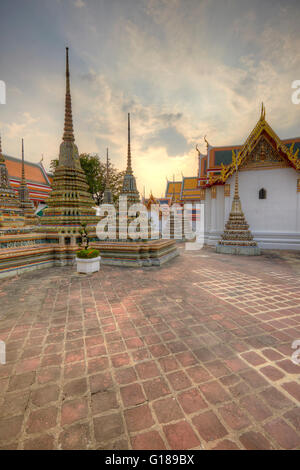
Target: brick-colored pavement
(194,355)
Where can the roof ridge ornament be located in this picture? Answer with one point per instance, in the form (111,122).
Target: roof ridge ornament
(207,144)
(263,112)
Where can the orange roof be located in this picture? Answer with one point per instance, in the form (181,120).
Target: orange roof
(33,171)
(190,183)
(174,187)
(191,190)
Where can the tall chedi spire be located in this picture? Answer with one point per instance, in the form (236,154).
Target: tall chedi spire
(25,201)
(129,188)
(68,153)
(107,197)
(70,203)
(68,128)
(129,167)
(237,238)
(11,214)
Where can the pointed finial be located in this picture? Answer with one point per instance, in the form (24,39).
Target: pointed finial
(263,112)
(23,166)
(2,159)
(199,153)
(68,128)
(207,144)
(129,168)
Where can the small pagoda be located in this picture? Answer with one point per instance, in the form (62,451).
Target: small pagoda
(129,188)
(25,202)
(237,238)
(11,213)
(70,205)
(123,250)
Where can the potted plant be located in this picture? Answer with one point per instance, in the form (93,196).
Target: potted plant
(87,259)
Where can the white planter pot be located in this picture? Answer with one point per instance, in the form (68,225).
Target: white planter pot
(88,265)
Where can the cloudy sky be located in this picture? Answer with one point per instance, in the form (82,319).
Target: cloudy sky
(183,68)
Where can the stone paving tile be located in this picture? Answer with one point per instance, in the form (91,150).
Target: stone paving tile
(193,355)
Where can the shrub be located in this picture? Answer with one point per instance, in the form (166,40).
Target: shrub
(87,254)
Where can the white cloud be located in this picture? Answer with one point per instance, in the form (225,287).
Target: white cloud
(209,64)
(79,4)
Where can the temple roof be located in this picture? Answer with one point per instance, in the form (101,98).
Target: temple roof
(223,155)
(287,150)
(190,188)
(219,163)
(34,172)
(174,189)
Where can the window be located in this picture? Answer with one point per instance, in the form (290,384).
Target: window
(262,194)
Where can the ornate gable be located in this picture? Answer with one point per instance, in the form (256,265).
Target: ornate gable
(263,148)
(263,156)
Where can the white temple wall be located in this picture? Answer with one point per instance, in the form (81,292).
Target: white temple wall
(207,213)
(274,221)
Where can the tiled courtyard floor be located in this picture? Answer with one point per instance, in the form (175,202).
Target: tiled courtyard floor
(194,355)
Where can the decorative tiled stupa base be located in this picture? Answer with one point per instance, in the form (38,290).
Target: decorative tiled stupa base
(23,249)
(135,253)
(248,250)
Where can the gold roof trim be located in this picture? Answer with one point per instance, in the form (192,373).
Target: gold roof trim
(240,157)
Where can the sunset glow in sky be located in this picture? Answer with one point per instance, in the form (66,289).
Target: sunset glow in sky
(182,68)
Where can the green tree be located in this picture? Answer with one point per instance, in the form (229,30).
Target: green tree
(95,171)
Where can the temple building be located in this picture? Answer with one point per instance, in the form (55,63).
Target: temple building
(11,213)
(38,180)
(269,187)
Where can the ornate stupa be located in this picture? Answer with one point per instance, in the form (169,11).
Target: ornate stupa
(25,201)
(11,213)
(123,249)
(107,196)
(237,238)
(70,203)
(129,188)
